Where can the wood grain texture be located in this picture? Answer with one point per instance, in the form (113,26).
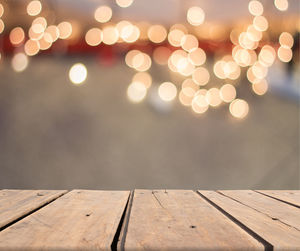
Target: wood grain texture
(182,220)
(17,203)
(79,220)
(275,209)
(290,196)
(278,234)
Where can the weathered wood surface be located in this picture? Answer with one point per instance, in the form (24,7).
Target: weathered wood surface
(154,220)
(289,196)
(79,220)
(281,236)
(182,220)
(17,203)
(273,208)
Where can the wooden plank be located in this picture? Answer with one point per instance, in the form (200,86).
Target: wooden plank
(289,196)
(79,220)
(17,203)
(182,220)
(278,234)
(275,209)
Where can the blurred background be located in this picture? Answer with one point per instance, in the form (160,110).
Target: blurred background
(124,94)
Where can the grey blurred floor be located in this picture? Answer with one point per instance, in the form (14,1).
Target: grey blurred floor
(56,135)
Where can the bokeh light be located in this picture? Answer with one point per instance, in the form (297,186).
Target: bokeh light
(201,76)
(260,23)
(197,56)
(103,14)
(189,42)
(124,3)
(34,8)
(255,8)
(195,15)
(227,93)
(16,36)
(239,108)
(281,5)
(110,35)
(260,87)
(144,78)
(93,37)
(286,39)
(2,26)
(78,73)
(167,91)
(157,33)
(19,62)
(136,92)
(31,47)
(285,54)
(65,30)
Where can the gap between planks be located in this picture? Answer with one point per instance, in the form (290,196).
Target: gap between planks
(26,214)
(268,246)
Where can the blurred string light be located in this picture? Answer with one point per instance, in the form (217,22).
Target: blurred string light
(19,62)
(2,26)
(34,8)
(167,91)
(103,14)
(177,48)
(94,37)
(136,92)
(195,15)
(157,33)
(1,10)
(239,108)
(124,3)
(281,5)
(17,36)
(78,73)
(65,30)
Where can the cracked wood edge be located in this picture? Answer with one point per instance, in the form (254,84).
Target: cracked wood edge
(275,209)
(80,220)
(289,196)
(181,220)
(278,234)
(15,204)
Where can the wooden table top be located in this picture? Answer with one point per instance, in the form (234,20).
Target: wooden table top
(149,220)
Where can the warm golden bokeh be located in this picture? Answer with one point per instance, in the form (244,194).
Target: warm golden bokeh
(136,92)
(255,8)
(31,47)
(195,16)
(239,108)
(167,91)
(144,78)
(124,3)
(34,8)
(103,14)
(16,36)
(227,93)
(19,62)
(157,33)
(65,30)
(93,37)
(78,73)
(110,35)
(201,76)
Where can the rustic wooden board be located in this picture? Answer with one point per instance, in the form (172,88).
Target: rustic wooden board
(290,196)
(182,220)
(278,234)
(79,220)
(17,203)
(276,209)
